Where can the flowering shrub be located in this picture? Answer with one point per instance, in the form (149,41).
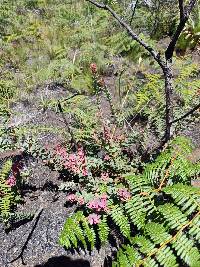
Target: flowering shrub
(74,163)
(98,204)
(11,181)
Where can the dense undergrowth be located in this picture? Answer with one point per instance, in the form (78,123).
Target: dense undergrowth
(127,193)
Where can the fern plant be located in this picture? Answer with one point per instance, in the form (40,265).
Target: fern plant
(6,192)
(157,220)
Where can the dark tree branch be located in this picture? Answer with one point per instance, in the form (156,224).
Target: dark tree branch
(189,7)
(181,8)
(133,11)
(134,36)
(187,114)
(168,101)
(184,16)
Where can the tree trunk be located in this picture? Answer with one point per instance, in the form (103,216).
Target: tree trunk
(169,88)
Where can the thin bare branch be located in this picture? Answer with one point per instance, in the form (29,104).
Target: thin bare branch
(184,16)
(181,8)
(133,11)
(134,36)
(187,114)
(189,7)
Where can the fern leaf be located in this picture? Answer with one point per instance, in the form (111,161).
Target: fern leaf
(127,256)
(103,230)
(173,216)
(184,196)
(89,233)
(137,208)
(118,216)
(186,250)
(194,230)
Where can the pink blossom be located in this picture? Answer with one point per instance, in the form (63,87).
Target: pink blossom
(93,218)
(81,201)
(102,204)
(74,162)
(92,204)
(84,171)
(123,194)
(93,67)
(72,198)
(104,196)
(98,204)
(107,157)
(104,176)
(11,181)
(72,158)
(61,151)
(81,153)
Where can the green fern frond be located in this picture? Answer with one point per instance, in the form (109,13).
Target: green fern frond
(194,230)
(137,208)
(73,230)
(185,196)
(138,183)
(7,196)
(127,256)
(118,216)
(174,218)
(103,230)
(186,250)
(156,170)
(89,233)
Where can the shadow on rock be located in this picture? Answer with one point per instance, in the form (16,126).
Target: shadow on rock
(63,261)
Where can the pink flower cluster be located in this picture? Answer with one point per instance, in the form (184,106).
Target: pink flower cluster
(93,68)
(75,163)
(93,218)
(74,198)
(11,181)
(99,204)
(106,157)
(123,194)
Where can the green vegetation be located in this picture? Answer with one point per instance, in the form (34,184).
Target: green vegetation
(121,108)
